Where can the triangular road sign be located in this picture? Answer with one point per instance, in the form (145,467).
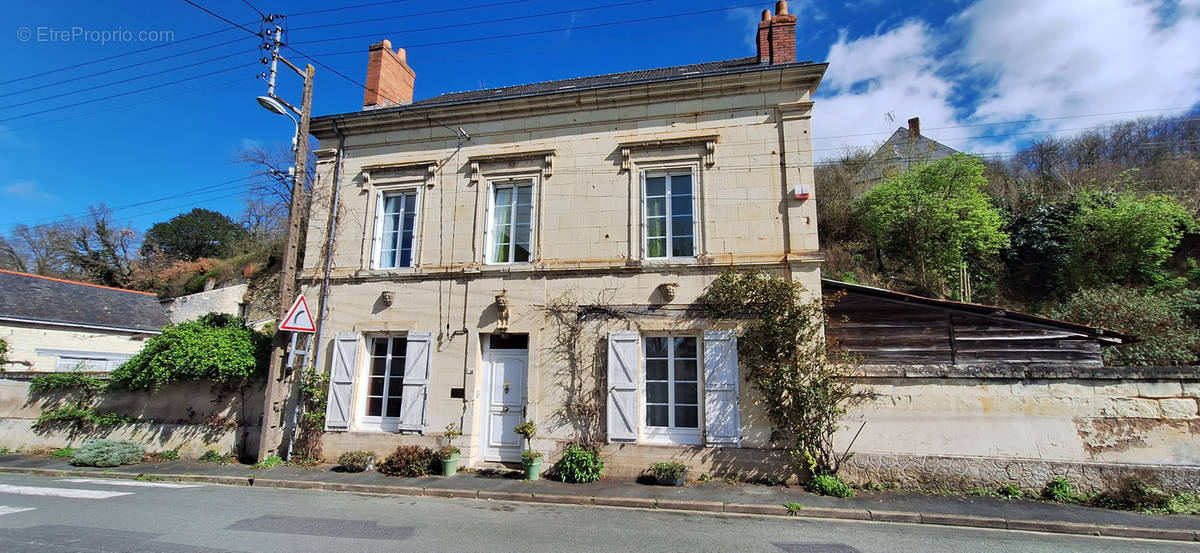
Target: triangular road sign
(298,318)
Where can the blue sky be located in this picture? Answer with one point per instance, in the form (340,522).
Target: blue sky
(984,76)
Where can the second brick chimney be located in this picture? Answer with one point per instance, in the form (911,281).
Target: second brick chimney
(389,78)
(777,36)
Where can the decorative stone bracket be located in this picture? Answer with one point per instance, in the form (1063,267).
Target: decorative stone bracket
(430,166)
(547,159)
(709,141)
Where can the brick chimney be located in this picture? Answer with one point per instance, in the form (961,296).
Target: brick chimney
(914,127)
(389,78)
(777,36)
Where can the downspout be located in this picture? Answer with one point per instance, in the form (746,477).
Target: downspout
(333,211)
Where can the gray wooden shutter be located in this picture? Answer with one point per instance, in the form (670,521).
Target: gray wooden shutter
(722,417)
(341,381)
(622,386)
(416,381)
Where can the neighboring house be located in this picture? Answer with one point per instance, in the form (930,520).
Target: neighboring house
(883,327)
(904,149)
(632,191)
(60,325)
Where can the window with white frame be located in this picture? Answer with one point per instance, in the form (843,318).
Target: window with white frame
(385,383)
(395,228)
(668,214)
(671,389)
(510,236)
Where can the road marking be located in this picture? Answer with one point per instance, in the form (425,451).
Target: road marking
(61,492)
(129,483)
(6,510)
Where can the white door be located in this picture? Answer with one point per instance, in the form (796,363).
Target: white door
(505,371)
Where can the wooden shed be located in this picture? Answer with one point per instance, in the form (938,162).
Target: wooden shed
(885,327)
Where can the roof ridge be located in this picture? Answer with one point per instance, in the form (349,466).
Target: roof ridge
(63,280)
(588,77)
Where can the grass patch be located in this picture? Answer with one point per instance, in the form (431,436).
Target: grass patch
(793,508)
(272,461)
(63,453)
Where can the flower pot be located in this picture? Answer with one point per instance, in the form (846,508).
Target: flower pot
(533,468)
(677,481)
(450,465)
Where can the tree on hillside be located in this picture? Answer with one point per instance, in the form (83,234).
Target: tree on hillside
(930,220)
(98,248)
(1124,238)
(193,235)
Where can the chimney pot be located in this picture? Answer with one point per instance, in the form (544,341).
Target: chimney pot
(914,127)
(781,7)
(766,16)
(777,36)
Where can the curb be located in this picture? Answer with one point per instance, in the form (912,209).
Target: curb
(935,519)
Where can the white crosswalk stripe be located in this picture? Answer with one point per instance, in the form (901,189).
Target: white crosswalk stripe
(138,483)
(61,492)
(6,510)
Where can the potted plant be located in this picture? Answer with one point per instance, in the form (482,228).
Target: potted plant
(669,473)
(449,453)
(530,459)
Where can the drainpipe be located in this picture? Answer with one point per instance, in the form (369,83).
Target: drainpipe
(333,211)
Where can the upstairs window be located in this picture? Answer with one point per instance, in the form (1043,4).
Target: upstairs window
(395,230)
(511,231)
(668,215)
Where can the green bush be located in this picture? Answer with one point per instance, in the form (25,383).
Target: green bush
(1010,491)
(1059,489)
(211,456)
(108,453)
(1160,320)
(356,461)
(66,381)
(828,484)
(1124,238)
(668,470)
(580,464)
(80,416)
(408,460)
(169,455)
(216,347)
(270,461)
(63,453)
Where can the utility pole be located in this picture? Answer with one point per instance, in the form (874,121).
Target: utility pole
(282,383)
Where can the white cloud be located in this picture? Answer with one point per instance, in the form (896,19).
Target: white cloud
(999,60)
(894,73)
(27,190)
(1051,59)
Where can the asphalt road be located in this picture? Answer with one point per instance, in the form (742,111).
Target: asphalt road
(60,515)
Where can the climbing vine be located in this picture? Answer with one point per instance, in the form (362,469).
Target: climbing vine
(314,394)
(578,346)
(804,389)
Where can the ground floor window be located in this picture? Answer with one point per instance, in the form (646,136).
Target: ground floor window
(671,389)
(385,383)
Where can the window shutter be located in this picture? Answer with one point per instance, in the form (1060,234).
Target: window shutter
(622,386)
(416,381)
(722,417)
(341,381)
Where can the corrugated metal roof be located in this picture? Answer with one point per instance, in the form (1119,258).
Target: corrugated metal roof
(43,299)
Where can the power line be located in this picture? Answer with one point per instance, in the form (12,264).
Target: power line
(120,94)
(1013,122)
(418,14)
(557,30)
(123,81)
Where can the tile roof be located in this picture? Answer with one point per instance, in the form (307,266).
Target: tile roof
(739,65)
(900,152)
(50,300)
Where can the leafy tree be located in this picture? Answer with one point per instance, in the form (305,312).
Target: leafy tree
(1125,238)
(1159,320)
(193,235)
(804,388)
(1037,257)
(932,219)
(216,347)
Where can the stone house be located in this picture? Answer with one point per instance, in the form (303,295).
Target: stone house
(903,150)
(60,325)
(465,222)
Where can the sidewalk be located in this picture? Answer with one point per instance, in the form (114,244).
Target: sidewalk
(712,496)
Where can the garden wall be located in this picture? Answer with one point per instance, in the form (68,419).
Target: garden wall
(190,416)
